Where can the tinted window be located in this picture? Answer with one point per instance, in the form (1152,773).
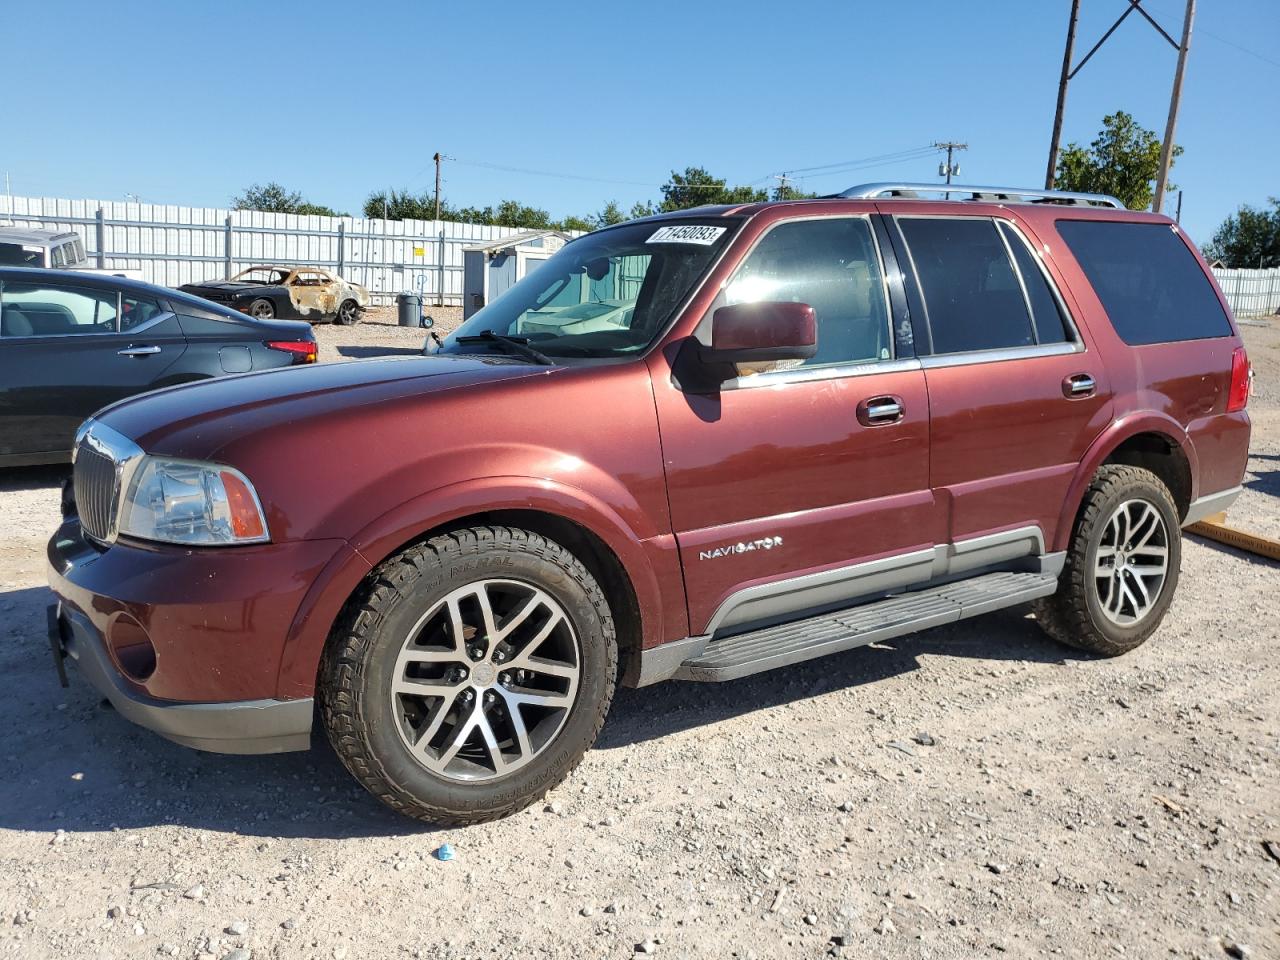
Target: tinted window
(1149,283)
(31,310)
(832,265)
(971,294)
(1046,315)
(135,312)
(16,255)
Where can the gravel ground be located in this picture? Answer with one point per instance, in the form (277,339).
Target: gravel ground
(972,791)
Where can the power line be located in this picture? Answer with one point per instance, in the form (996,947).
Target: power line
(1221,39)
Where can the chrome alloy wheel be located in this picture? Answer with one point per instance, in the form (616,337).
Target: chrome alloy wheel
(1132,562)
(485,680)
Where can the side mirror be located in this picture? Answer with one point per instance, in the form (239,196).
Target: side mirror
(761,332)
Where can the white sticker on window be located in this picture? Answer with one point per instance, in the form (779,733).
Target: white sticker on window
(702,236)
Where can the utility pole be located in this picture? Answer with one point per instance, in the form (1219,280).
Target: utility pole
(1175,100)
(1052,171)
(784,184)
(1069,72)
(950,168)
(437,158)
(1178,215)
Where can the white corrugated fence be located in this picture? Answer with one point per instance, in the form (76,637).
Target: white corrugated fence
(1251,293)
(173,245)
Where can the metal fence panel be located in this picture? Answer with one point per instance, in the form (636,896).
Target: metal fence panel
(1251,293)
(172,245)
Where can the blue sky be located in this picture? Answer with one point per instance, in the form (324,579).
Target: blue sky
(190,102)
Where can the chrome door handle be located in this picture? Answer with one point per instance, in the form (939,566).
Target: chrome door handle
(878,411)
(137,351)
(1079,385)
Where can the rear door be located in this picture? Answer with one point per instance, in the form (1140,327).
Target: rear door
(68,349)
(1016,392)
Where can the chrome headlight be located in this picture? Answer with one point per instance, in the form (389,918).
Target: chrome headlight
(188,502)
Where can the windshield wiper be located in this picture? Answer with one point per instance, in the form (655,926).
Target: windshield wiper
(517,345)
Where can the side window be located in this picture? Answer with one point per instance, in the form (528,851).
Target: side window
(972,296)
(135,312)
(834,267)
(16,255)
(56,257)
(1051,326)
(1149,282)
(31,310)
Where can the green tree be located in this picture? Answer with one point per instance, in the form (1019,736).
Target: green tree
(273,198)
(696,187)
(608,216)
(1122,161)
(642,208)
(584,224)
(1248,238)
(402,205)
(784,192)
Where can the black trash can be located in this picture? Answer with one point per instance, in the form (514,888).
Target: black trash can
(409,309)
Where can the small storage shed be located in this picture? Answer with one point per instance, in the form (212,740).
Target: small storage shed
(490,269)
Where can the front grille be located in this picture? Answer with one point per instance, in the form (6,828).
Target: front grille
(95,489)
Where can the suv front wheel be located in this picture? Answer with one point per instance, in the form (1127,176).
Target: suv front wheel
(1122,564)
(471,676)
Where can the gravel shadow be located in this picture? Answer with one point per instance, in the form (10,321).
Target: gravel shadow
(654,712)
(33,478)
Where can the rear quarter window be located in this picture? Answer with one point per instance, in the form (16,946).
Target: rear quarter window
(1149,281)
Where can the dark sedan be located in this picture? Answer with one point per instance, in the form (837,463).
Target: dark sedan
(71,343)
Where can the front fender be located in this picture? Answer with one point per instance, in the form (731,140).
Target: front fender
(1106,443)
(411,520)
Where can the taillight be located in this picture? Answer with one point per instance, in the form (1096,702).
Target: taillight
(304,351)
(1241,375)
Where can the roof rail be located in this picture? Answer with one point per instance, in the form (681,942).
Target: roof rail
(871,191)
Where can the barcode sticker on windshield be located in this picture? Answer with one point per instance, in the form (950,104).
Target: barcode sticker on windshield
(703,236)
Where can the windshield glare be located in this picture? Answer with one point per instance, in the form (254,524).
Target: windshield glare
(607,294)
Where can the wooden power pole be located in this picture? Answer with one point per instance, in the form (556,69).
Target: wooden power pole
(1175,100)
(436,158)
(1055,143)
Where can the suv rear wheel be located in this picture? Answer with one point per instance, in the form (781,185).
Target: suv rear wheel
(1122,564)
(471,675)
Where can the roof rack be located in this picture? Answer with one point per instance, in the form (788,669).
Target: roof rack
(912,191)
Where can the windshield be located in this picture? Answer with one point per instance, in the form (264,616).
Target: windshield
(608,294)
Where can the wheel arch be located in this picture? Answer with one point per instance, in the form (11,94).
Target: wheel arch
(1152,441)
(594,533)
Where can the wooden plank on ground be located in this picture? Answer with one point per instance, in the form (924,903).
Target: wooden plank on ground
(1215,528)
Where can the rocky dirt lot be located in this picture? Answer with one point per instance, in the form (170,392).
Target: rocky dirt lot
(975,791)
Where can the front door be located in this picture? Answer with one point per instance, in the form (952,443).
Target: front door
(68,350)
(806,485)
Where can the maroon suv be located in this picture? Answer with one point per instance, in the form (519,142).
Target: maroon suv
(697,446)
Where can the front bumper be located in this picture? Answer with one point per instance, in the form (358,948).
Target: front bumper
(188,642)
(244,726)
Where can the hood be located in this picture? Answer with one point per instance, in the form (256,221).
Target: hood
(196,420)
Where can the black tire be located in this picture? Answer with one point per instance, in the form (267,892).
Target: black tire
(358,663)
(262,309)
(348,313)
(1074,615)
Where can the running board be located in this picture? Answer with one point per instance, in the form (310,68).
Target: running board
(788,643)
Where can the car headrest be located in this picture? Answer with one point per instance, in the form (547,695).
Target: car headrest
(14,323)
